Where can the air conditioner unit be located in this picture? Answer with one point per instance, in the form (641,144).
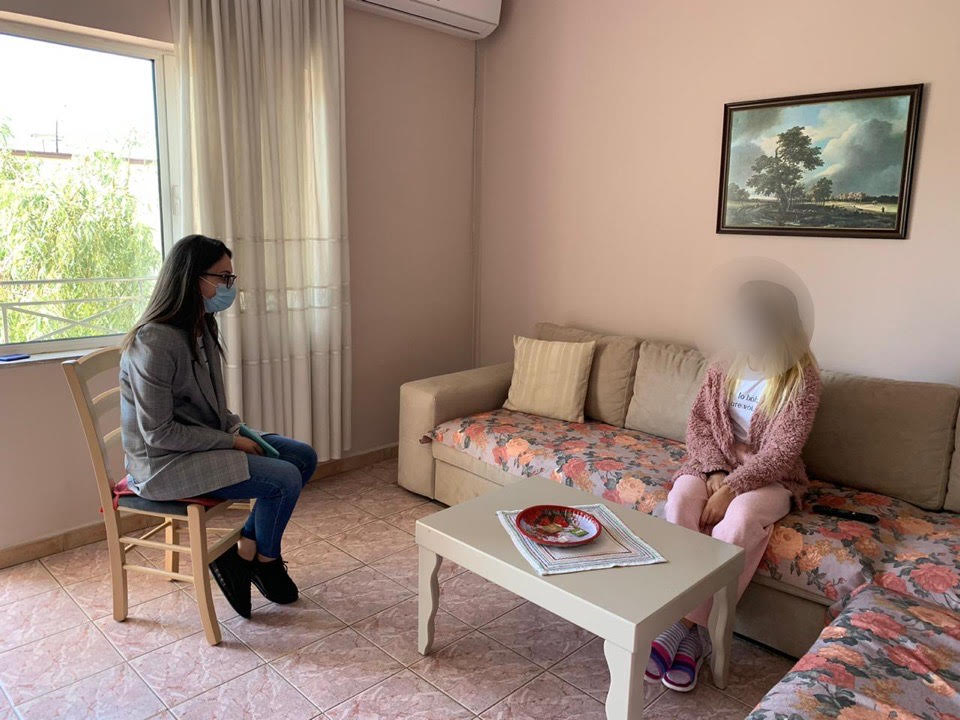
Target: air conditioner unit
(468,18)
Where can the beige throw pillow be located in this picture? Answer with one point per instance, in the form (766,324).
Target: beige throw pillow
(611,375)
(550,378)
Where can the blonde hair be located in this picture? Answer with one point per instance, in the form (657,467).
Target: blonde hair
(781,389)
(784,365)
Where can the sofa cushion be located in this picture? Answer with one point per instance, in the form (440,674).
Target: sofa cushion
(611,376)
(886,656)
(550,378)
(885,436)
(910,550)
(625,466)
(666,384)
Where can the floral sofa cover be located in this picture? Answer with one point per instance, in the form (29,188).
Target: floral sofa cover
(901,576)
(888,656)
(910,550)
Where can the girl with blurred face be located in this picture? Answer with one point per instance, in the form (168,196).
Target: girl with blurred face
(747,428)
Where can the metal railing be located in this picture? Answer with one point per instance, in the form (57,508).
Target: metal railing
(130,293)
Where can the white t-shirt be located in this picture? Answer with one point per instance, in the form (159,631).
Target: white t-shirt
(744,404)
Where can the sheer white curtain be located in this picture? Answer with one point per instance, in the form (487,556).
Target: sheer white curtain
(261,92)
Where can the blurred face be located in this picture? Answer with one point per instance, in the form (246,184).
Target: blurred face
(215,275)
(765,327)
(758,312)
(754,325)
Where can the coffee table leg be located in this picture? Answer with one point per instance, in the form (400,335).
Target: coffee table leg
(721,631)
(626,694)
(429,598)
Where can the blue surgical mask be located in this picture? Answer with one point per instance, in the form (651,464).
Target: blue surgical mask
(223,299)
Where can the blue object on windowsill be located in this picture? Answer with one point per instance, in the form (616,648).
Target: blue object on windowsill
(11,358)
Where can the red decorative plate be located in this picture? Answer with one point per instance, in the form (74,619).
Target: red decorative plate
(558,525)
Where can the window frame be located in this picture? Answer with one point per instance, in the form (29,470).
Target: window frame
(166,104)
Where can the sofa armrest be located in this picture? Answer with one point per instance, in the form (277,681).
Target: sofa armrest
(424,404)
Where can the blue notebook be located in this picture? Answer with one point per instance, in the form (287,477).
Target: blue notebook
(268,449)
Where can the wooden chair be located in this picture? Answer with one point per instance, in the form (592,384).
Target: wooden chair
(104,444)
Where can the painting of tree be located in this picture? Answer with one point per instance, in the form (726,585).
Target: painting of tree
(780,175)
(822,190)
(831,164)
(735,192)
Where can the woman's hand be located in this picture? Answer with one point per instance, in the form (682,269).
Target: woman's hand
(716,506)
(714,482)
(247,445)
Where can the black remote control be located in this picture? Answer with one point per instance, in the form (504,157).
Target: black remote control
(846,514)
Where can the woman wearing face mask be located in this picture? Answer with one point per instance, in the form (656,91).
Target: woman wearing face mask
(179,438)
(743,470)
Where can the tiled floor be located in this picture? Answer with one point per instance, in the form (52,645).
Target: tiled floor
(345,651)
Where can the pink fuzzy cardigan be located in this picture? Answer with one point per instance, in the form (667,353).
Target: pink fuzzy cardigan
(775,443)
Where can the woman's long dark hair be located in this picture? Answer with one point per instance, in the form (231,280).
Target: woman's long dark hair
(176,300)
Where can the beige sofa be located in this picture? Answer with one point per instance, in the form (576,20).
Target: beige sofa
(882,443)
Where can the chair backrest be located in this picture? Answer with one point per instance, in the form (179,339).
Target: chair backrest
(95,412)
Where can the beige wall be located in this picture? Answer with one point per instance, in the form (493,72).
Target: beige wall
(409,139)
(600,161)
(409,156)
(45,473)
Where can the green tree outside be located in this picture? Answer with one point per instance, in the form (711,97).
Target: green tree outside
(78,223)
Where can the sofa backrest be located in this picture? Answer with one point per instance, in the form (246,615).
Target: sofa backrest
(611,375)
(886,436)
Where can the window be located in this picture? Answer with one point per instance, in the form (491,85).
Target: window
(82,177)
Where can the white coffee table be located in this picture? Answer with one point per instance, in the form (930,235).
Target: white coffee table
(628,607)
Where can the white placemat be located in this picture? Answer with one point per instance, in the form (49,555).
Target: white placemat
(617,546)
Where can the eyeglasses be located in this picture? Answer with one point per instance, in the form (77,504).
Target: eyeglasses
(227,278)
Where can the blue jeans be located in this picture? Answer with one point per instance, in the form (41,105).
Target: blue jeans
(275,483)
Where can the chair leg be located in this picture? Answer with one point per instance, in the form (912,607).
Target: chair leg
(196,526)
(118,576)
(171,560)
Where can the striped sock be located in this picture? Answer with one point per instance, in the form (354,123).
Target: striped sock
(683,672)
(664,649)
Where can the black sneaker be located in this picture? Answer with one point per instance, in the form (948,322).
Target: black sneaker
(232,574)
(273,582)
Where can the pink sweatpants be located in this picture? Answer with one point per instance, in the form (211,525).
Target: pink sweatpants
(748,523)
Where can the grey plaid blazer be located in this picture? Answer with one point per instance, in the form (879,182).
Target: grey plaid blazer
(175,421)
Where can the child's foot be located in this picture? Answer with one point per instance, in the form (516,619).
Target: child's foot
(683,673)
(663,650)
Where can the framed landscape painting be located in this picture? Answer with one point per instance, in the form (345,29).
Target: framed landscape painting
(832,164)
